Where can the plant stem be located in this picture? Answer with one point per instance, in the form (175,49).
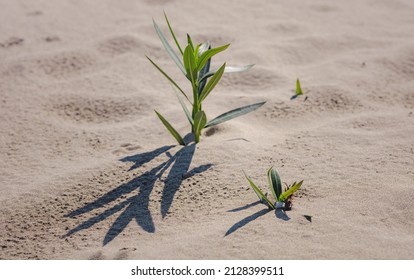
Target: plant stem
(196,105)
(196,137)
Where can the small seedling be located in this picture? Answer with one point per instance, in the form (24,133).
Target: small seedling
(283,199)
(194,62)
(298,90)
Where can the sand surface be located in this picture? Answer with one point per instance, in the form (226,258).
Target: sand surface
(87,171)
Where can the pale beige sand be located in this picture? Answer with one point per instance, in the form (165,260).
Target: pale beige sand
(86,170)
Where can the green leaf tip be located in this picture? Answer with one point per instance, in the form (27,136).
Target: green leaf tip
(284,196)
(168,48)
(298,90)
(172,33)
(190,41)
(298,87)
(209,54)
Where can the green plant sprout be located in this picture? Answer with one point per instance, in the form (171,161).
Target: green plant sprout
(283,198)
(194,62)
(298,90)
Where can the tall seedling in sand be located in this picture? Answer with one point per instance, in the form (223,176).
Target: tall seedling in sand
(283,198)
(194,62)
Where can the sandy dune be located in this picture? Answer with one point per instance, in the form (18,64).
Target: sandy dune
(87,170)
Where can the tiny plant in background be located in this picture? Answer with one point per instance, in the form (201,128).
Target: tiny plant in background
(283,198)
(298,90)
(194,61)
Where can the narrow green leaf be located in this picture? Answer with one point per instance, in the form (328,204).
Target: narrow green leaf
(168,78)
(207,75)
(171,129)
(274,182)
(189,64)
(237,69)
(234,114)
(228,69)
(208,54)
(196,52)
(187,113)
(173,35)
(168,48)
(203,71)
(186,60)
(290,191)
(259,193)
(298,88)
(200,121)
(212,83)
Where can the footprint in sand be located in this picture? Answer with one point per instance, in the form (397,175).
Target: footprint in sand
(85,110)
(11,42)
(254,79)
(65,64)
(119,45)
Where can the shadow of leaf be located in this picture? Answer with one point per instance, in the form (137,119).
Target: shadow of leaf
(247,220)
(143,158)
(138,210)
(94,220)
(244,207)
(175,176)
(197,170)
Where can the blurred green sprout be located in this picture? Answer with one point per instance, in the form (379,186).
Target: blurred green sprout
(298,90)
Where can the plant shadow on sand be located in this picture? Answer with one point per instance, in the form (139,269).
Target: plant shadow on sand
(280,214)
(137,207)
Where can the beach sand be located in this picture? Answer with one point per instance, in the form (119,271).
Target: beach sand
(88,171)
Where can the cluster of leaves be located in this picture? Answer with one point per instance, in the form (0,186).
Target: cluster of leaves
(195,63)
(282,197)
